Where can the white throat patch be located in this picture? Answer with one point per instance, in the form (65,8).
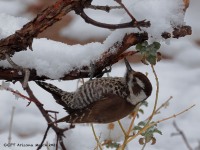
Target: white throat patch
(135,99)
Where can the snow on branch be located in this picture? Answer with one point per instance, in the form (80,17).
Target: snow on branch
(23,38)
(109,57)
(54,60)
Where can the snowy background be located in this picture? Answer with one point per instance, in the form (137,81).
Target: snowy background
(178,75)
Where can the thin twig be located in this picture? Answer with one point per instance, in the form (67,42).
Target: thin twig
(22,96)
(127,134)
(144,145)
(59,132)
(127,11)
(198,146)
(174,116)
(122,128)
(96,138)
(26,77)
(12,62)
(52,111)
(10,125)
(132,122)
(61,143)
(57,143)
(157,92)
(104,8)
(21,69)
(181,133)
(56,124)
(131,24)
(159,121)
(44,137)
(161,106)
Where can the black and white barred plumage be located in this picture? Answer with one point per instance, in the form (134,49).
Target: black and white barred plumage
(91,91)
(111,94)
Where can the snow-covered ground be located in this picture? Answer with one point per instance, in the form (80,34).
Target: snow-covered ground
(178,77)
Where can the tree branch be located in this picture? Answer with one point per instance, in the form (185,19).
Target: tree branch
(178,32)
(107,59)
(104,8)
(23,38)
(45,135)
(130,24)
(59,132)
(181,133)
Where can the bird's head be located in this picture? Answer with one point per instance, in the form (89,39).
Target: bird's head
(139,86)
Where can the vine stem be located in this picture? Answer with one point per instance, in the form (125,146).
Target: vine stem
(159,121)
(96,138)
(157,92)
(122,128)
(154,109)
(129,138)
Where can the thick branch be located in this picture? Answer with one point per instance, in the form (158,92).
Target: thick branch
(108,58)
(23,38)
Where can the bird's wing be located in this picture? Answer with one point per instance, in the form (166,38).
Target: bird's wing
(109,109)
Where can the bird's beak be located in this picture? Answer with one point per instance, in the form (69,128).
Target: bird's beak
(128,66)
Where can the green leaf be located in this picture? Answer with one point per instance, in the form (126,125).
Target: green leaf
(156,45)
(153,141)
(145,103)
(112,145)
(137,128)
(142,123)
(144,44)
(143,50)
(141,111)
(155,125)
(157,131)
(151,59)
(148,51)
(139,46)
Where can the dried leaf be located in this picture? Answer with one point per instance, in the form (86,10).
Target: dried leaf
(111,126)
(186,4)
(153,141)
(159,56)
(141,141)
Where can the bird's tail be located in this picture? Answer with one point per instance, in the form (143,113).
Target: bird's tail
(55,91)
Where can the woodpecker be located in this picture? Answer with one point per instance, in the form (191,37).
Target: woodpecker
(102,100)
